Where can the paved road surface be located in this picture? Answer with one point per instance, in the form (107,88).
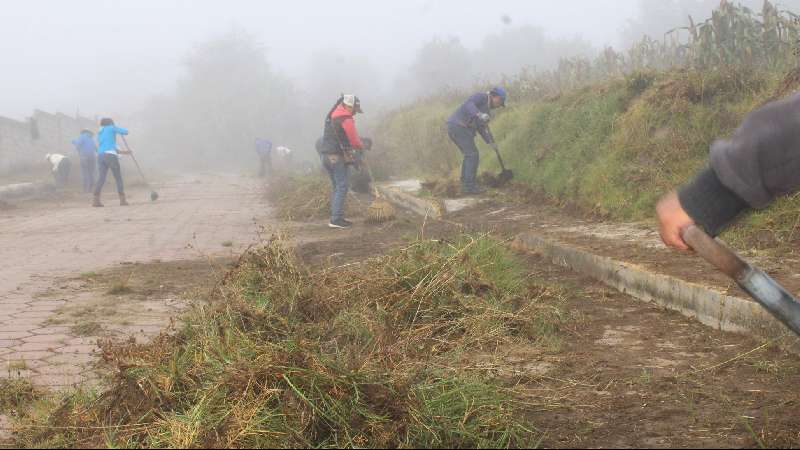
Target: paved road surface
(45,242)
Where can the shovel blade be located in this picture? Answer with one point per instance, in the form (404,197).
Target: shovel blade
(772,296)
(505,176)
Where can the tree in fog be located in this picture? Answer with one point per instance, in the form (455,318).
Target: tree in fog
(526,47)
(332,73)
(229,96)
(442,65)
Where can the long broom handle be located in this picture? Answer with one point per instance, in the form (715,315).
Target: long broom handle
(125,141)
(371,178)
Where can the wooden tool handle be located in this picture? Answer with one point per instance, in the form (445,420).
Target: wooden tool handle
(714,251)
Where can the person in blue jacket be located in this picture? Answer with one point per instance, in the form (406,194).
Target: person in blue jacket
(264,150)
(108,158)
(471,118)
(87,151)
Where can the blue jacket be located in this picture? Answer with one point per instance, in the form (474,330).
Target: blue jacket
(85,145)
(467,115)
(107,138)
(263,146)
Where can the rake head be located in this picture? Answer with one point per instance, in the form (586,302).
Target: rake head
(380,211)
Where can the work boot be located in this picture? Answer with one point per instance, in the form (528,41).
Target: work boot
(122,201)
(341,223)
(472,191)
(96,202)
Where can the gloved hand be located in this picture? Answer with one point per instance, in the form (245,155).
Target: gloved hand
(367,143)
(485,118)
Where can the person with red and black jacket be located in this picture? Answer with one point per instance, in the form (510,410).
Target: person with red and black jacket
(336,149)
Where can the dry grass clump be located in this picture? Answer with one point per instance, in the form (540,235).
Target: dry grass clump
(451,187)
(368,357)
(306,198)
(16,393)
(442,188)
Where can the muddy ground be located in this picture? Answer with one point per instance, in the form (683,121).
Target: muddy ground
(620,373)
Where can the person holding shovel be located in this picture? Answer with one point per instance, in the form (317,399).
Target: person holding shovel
(758,164)
(108,158)
(751,169)
(336,149)
(471,118)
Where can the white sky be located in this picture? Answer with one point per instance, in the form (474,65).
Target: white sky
(106,56)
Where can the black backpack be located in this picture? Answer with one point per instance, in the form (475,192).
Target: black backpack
(334,139)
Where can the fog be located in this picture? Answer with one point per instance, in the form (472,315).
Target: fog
(208,74)
(106,56)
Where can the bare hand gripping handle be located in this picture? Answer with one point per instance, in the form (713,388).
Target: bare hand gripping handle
(766,291)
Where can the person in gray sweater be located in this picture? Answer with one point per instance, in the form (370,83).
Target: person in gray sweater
(757,164)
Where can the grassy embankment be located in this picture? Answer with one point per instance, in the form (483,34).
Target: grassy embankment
(611,149)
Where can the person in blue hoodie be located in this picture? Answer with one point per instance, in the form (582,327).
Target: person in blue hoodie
(87,151)
(471,118)
(108,158)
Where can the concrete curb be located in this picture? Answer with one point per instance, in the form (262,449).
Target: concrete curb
(708,306)
(18,190)
(421,206)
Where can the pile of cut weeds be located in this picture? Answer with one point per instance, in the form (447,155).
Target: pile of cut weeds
(451,187)
(376,355)
(307,198)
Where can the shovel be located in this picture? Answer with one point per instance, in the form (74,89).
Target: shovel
(153,193)
(506,175)
(766,291)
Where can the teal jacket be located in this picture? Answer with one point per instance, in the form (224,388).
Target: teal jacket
(107,138)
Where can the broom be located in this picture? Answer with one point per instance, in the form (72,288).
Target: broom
(153,193)
(380,210)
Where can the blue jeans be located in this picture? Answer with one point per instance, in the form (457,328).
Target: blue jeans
(109,161)
(337,169)
(464,138)
(88,168)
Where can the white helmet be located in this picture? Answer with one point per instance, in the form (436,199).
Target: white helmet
(353,102)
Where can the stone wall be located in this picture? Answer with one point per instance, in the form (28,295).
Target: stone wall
(24,144)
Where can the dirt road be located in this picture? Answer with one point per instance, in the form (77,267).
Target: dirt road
(53,248)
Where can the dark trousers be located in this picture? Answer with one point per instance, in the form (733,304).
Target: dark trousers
(62,172)
(88,169)
(109,161)
(464,138)
(338,170)
(266,165)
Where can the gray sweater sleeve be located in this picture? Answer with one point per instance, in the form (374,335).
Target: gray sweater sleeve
(759,162)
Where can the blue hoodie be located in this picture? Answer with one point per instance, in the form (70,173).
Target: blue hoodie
(107,138)
(85,145)
(467,115)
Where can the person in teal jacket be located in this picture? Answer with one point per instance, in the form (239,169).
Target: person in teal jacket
(108,158)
